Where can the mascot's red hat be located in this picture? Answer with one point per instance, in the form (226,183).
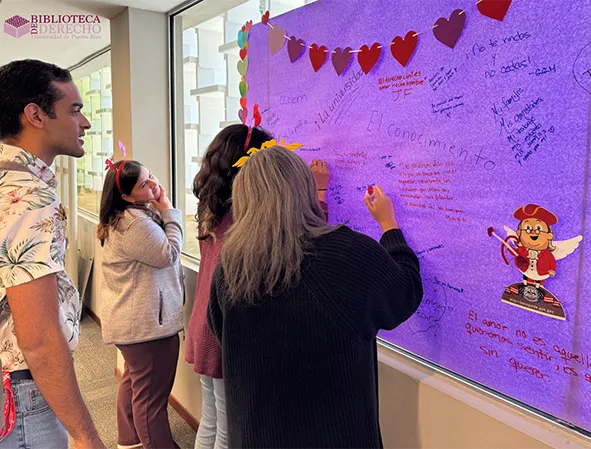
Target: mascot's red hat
(535,211)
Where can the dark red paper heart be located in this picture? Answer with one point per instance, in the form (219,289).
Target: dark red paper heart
(368,57)
(243,28)
(402,49)
(243,102)
(317,56)
(265,18)
(243,53)
(295,48)
(243,114)
(448,31)
(495,9)
(340,59)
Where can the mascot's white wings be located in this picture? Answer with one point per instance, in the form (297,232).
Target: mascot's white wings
(563,247)
(566,247)
(509,231)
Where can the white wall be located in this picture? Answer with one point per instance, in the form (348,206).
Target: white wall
(139,59)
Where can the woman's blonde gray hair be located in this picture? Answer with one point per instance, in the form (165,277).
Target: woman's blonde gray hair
(276,216)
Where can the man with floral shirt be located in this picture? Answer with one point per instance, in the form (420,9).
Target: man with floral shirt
(39,305)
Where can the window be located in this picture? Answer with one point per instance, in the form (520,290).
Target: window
(205,80)
(93,80)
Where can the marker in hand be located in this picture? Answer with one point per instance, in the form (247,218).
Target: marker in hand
(380,206)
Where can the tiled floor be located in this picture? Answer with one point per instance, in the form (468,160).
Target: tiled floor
(95,365)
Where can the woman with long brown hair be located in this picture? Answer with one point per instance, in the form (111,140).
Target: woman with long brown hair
(142,299)
(296,305)
(213,188)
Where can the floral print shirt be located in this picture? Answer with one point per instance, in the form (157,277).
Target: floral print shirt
(32,245)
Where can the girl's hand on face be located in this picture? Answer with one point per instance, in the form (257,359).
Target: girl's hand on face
(162,203)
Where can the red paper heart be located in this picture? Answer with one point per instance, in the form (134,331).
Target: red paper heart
(495,9)
(368,57)
(402,49)
(248,26)
(265,18)
(256,115)
(295,48)
(317,56)
(243,114)
(340,59)
(243,53)
(243,102)
(243,28)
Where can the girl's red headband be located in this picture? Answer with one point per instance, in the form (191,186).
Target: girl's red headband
(110,165)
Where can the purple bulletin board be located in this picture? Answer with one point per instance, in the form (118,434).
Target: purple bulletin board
(468,140)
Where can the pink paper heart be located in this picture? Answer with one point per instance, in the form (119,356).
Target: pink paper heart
(341,59)
(448,31)
(276,39)
(248,26)
(295,48)
(122,147)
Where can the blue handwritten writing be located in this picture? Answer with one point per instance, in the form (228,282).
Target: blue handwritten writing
(375,124)
(479,49)
(441,76)
(544,70)
(288,99)
(511,67)
(447,284)
(335,193)
(523,124)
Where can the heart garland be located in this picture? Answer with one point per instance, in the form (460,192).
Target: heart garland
(445,30)
(242,66)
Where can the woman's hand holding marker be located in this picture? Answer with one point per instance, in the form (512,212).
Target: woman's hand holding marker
(380,207)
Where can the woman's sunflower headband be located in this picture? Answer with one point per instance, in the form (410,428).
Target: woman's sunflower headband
(267,144)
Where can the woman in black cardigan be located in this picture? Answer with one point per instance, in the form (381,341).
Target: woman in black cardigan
(297,304)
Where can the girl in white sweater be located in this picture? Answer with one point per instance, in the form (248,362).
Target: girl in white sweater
(142,296)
